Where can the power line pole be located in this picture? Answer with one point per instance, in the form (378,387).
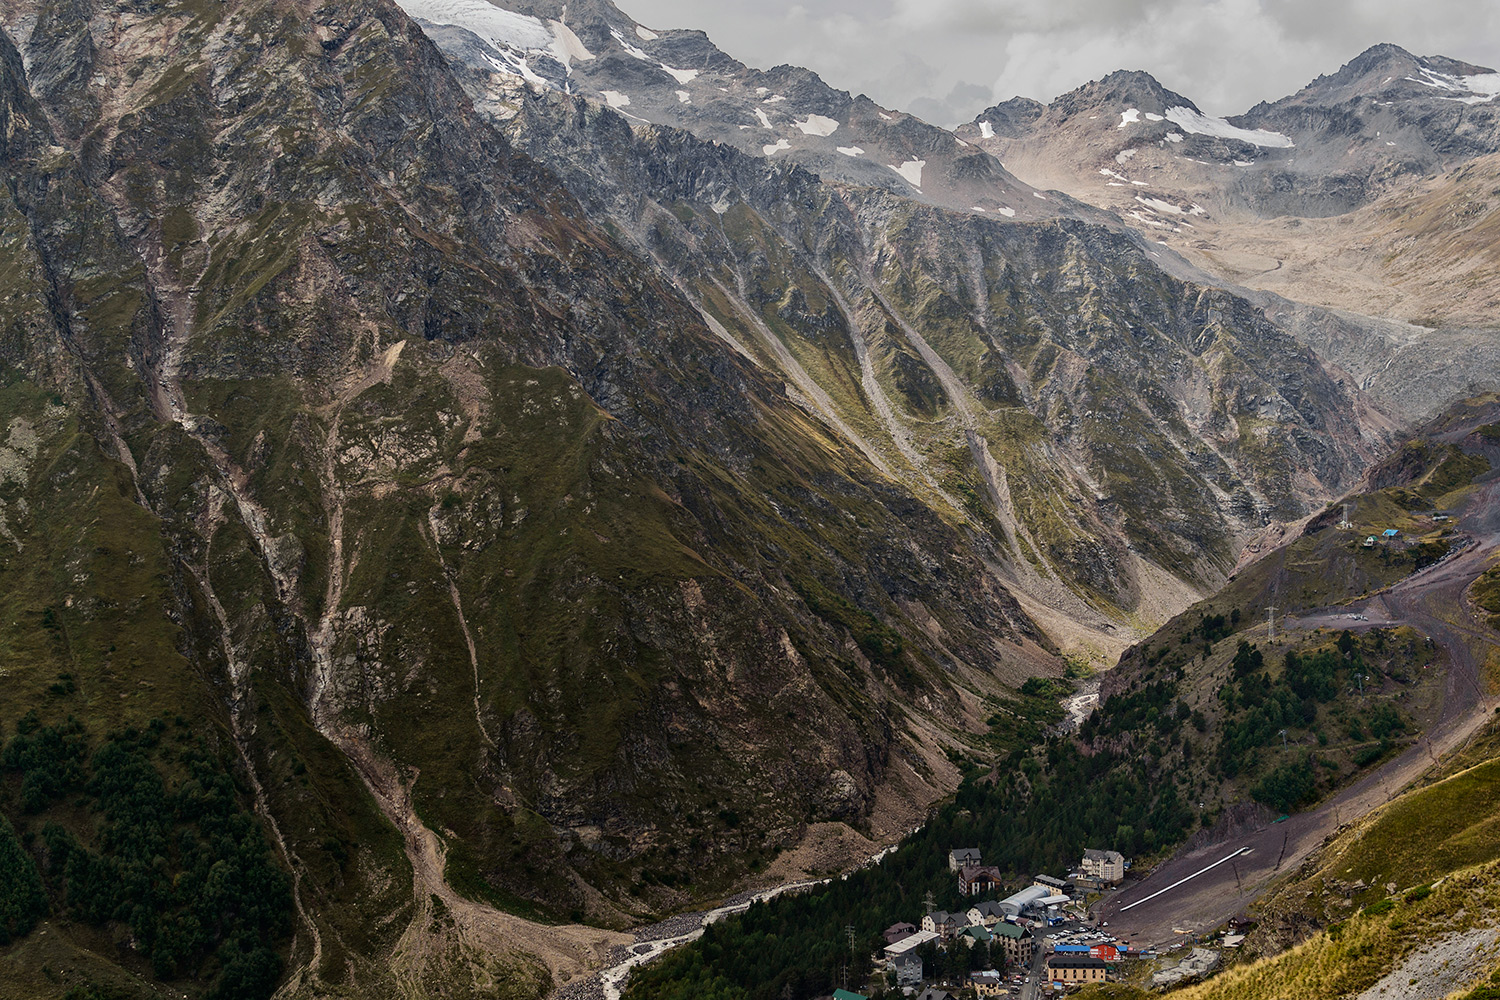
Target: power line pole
(1271,625)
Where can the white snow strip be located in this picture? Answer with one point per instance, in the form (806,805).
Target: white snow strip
(1156,204)
(884,116)
(1038,194)
(514,64)
(1138,217)
(681,75)
(645,34)
(615,99)
(762,91)
(1130,117)
(491,23)
(1174,136)
(1244,163)
(986,130)
(1009,213)
(977,208)
(779,145)
(956,139)
(1198,123)
(911,170)
(1197,209)
(851,150)
(629,49)
(1140,184)
(775,99)
(817,125)
(1123,156)
(1092,117)
(1153,118)
(1481,88)
(1106,172)
(568,46)
(764,121)
(1113,184)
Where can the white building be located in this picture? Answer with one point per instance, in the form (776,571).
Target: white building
(1106,866)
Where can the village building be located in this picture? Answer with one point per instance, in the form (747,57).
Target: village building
(848,995)
(933,993)
(1019,901)
(1016,942)
(964,857)
(973,880)
(971,936)
(1054,886)
(1075,969)
(987,914)
(909,944)
(1106,866)
(908,969)
(989,983)
(943,923)
(897,931)
(1106,952)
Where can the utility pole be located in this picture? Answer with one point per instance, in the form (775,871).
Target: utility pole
(1271,625)
(929,901)
(1361,679)
(1283,739)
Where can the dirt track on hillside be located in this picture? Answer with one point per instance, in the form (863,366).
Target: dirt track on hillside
(1431,601)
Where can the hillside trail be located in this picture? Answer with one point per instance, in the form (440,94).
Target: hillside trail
(1431,601)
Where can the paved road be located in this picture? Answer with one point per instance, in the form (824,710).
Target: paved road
(1430,601)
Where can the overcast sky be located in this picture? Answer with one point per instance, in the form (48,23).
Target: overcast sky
(947,60)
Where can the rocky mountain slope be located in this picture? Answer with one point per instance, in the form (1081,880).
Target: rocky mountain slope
(883,313)
(1363,191)
(542,516)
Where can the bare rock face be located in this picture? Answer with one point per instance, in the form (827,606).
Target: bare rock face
(449,482)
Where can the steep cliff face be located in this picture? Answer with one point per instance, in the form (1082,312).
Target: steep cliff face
(435,483)
(1112,431)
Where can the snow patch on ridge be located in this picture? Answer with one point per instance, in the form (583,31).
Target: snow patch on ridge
(681,75)
(645,34)
(851,150)
(615,99)
(776,147)
(1481,88)
(911,170)
(1130,117)
(817,125)
(514,36)
(630,50)
(1197,123)
(986,130)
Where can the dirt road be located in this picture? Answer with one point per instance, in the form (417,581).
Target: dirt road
(1430,601)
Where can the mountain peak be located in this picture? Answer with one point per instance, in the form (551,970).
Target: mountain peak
(1121,90)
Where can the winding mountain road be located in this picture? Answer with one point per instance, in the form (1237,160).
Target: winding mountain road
(1431,601)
